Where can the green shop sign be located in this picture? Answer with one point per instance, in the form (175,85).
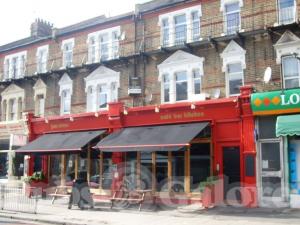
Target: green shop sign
(276,102)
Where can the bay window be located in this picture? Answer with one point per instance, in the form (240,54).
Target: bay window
(235,78)
(290,71)
(181,86)
(232,17)
(286,11)
(101,88)
(14,65)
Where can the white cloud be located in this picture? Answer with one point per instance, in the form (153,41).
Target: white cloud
(17,15)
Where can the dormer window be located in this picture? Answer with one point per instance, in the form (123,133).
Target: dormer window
(42,59)
(67,48)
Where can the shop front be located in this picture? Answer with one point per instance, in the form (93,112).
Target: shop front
(170,149)
(13,134)
(277,135)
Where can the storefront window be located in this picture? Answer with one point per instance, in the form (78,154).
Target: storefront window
(3,165)
(107,168)
(161,171)
(130,177)
(18,166)
(37,163)
(55,169)
(95,170)
(178,171)
(199,164)
(146,171)
(70,167)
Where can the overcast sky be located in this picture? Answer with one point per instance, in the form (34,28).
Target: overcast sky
(17,15)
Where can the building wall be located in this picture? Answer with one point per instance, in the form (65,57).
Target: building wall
(260,53)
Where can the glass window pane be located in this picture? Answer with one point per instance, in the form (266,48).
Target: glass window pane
(95,170)
(70,168)
(232,7)
(271,186)
(270,156)
(55,170)
(291,83)
(130,180)
(234,86)
(180,19)
(107,170)
(197,81)
(37,166)
(286,3)
(267,127)
(146,171)
(180,29)
(234,68)
(161,171)
(200,165)
(290,66)
(178,171)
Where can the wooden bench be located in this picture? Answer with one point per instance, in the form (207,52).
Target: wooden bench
(60,191)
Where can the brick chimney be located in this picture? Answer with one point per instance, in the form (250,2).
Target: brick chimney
(41,28)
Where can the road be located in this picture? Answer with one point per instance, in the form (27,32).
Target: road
(7,221)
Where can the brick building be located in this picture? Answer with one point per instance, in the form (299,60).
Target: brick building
(162,53)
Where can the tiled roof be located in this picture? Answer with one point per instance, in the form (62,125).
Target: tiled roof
(156,4)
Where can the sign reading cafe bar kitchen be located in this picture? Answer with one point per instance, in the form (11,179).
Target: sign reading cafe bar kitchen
(276,102)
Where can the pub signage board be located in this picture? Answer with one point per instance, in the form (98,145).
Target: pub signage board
(276,102)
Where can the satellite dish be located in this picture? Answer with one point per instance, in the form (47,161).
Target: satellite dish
(268,74)
(216,93)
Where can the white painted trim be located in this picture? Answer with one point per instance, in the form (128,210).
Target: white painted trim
(67,41)
(41,48)
(224,2)
(64,83)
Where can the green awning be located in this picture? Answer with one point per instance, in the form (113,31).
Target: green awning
(288,125)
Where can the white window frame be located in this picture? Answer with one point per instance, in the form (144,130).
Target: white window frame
(164,83)
(112,42)
(101,93)
(178,62)
(101,76)
(65,84)
(68,42)
(20,67)
(180,82)
(92,49)
(198,28)
(280,22)
(283,72)
(170,17)
(223,9)
(229,77)
(42,60)
(65,101)
(200,81)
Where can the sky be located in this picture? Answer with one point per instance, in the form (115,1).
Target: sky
(17,15)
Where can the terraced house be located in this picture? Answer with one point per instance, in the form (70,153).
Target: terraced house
(183,61)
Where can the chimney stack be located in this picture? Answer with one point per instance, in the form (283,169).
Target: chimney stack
(41,28)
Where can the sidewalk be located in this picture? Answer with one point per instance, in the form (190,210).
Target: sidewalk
(184,215)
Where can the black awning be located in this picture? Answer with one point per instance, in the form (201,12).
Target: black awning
(151,138)
(60,142)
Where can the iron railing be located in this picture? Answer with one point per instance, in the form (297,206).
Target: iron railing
(14,198)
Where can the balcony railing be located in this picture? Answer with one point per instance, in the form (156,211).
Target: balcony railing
(258,18)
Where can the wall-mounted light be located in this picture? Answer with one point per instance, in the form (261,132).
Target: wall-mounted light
(71,119)
(156,109)
(125,112)
(46,120)
(96,114)
(193,106)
